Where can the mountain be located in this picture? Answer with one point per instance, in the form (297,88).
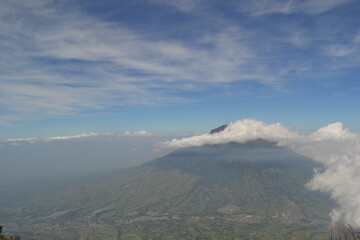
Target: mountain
(252,190)
(218,129)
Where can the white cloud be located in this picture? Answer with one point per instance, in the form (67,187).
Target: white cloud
(334,131)
(138,133)
(357,38)
(18,141)
(299,39)
(334,146)
(183,6)
(339,50)
(262,7)
(319,6)
(15,141)
(239,131)
(341,178)
(29,140)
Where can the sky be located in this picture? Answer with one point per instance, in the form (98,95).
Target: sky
(74,67)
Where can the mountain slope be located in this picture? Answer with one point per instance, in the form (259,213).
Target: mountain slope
(210,192)
(256,175)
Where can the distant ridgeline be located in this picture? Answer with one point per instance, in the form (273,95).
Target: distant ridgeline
(2,237)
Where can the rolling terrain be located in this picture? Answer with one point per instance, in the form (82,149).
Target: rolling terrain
(254,190)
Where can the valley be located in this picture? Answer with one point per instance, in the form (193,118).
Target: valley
(213,192)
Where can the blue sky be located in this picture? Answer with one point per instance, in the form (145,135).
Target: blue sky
(170,66)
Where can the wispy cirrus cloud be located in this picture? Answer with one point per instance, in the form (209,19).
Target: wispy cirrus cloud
(262,7)
(61,60)
(74,62)
(340,50)
(184,6)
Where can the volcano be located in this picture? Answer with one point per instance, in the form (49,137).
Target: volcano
(251,190)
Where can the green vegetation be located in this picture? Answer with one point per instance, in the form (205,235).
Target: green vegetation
(343,232)
(3,237)
(249,191)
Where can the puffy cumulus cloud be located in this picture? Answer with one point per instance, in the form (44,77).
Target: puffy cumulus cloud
(239,131)
(341,179)
(138,133)
(336,147)
(333,131)
(339,151)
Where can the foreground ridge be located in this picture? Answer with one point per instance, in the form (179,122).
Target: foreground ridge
(3,237)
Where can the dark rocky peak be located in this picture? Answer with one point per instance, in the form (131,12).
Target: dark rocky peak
(218,129)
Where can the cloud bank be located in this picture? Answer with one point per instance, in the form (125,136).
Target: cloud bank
(336,147)
(240,131)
